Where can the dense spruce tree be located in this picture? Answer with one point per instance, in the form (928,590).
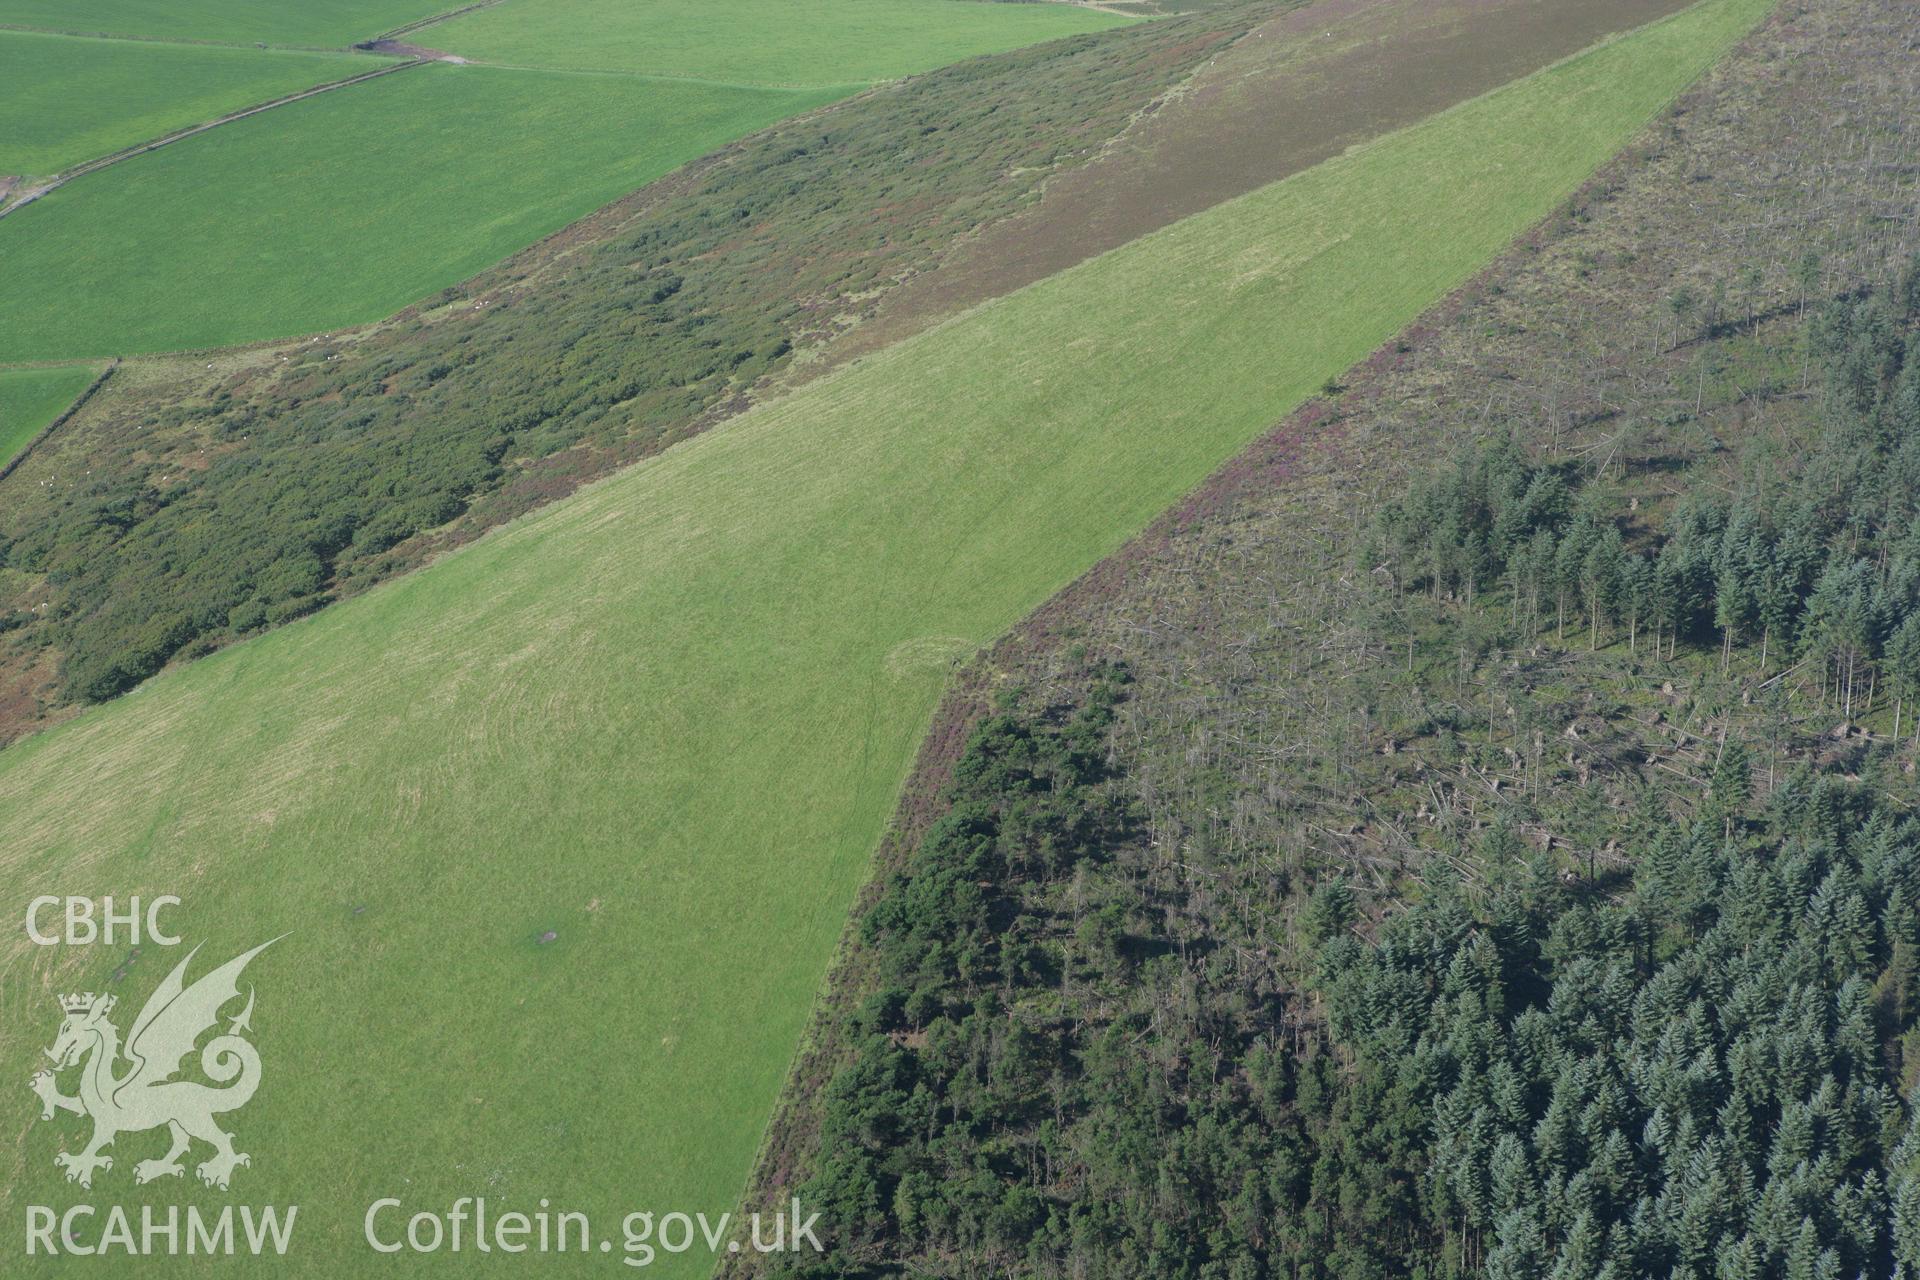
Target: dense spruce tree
(1824,567)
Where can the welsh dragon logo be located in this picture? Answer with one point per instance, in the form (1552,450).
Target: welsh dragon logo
(145,1095)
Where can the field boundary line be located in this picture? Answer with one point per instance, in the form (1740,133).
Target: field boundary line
(139,149)
(432,20)
(59,419)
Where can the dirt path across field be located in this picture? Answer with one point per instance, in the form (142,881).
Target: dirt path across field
(1303,87)
(401,49)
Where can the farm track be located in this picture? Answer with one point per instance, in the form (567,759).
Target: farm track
(32,194)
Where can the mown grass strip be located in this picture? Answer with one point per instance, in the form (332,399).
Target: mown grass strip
(665,721)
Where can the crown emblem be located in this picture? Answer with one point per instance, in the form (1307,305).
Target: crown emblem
(176,1018)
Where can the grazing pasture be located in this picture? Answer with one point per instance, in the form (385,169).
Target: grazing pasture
(31,398)
(69,100)
(779,42)
(317,23)
(665,720)
(342,208)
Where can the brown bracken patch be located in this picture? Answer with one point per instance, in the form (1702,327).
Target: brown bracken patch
(1302,87)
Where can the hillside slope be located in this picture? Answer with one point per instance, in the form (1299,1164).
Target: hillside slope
(557,747)
(1471,835)
(1305,84)
(201,500)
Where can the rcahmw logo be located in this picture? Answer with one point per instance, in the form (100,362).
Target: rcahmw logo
(138,1083)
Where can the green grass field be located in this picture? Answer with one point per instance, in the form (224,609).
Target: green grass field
(341,209)
(667,719)
(133,91)
(819,42)
(326,23)
(345,207)
(31,398)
